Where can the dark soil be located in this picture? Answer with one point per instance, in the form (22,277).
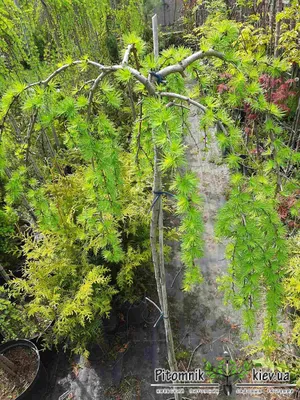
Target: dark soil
(25,359)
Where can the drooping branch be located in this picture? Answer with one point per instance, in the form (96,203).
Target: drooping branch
(184,98)
(182,65)
(148,85)
(174,104)
(194,103)
(55,73)
(84,85)
(92,92)
(106,69)
(130,48)
(44,82)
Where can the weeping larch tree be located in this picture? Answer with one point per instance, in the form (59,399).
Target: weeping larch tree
(90,147)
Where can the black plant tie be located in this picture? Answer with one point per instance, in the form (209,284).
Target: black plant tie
(158,77)
(158,194)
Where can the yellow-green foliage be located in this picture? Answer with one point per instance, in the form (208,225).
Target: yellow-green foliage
(292,285)
(289,38)
(258,142)
(80,161)
(257,249)
(66,288)
(36,35)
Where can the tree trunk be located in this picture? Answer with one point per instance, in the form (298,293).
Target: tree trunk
(271,23)
(159,262)
(157,225)
(165,307)
(265,14)
(153,226)
(277,29)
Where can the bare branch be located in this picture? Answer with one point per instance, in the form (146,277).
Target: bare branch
(182,65)
(45,82)
(178,273)
(92,92)
(173,104)
(194,103)
(58,71)
(127,54)
(84,85)
(94,63)
(141,78)
(222,127)
(181,97)
(193,353)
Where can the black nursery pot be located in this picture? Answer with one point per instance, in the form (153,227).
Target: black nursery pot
(37,388)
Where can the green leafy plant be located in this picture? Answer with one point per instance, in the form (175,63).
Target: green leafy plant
(237,369)
(257,249)
(10,316)
(291,285)
(85,146)
(88,202)
(253,101)
(15,322)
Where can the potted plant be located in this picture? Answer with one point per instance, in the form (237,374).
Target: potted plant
(15,323)
(10,316)
(22,376)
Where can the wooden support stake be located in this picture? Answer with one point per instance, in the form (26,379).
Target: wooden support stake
(157,237)
(8,366)
(155,36)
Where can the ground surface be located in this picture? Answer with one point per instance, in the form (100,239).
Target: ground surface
(200,320)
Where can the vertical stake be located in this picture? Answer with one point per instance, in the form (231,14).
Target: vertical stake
(155,36)
(157,225)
